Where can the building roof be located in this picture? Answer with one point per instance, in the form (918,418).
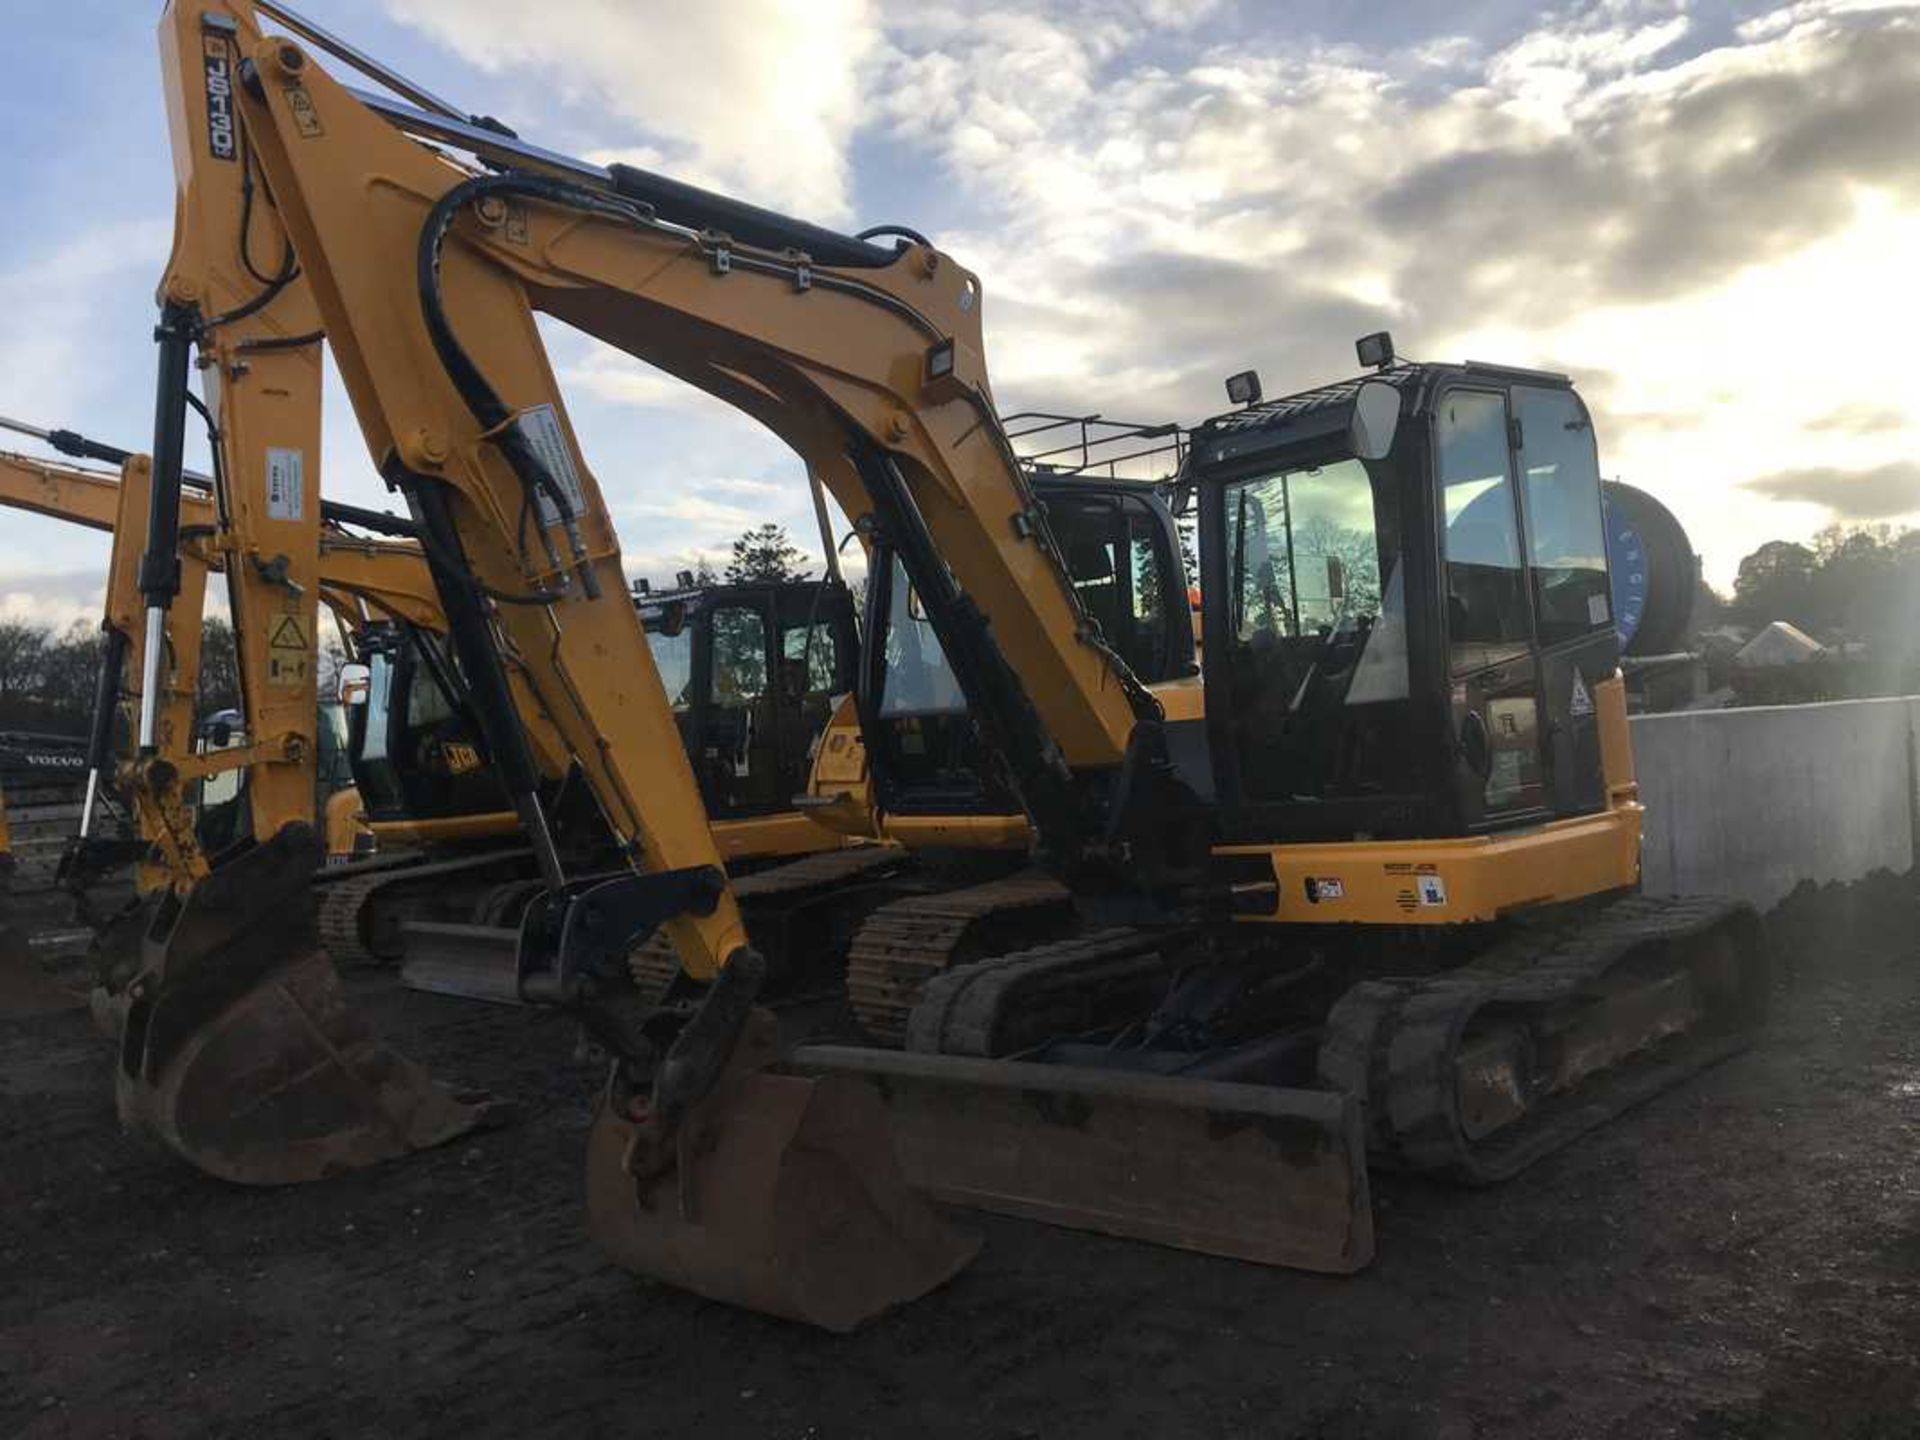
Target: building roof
(1778,644)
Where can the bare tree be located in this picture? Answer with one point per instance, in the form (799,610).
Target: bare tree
(23,652)
(219,668)
(70,672)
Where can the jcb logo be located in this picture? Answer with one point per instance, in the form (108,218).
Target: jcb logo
(460,757)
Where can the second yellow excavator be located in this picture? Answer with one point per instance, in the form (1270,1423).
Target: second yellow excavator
(1365,888)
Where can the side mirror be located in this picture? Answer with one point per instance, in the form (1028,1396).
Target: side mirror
(1376,415)
(356,683)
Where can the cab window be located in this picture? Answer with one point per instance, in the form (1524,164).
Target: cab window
(1487,620)
(809,659)
(1566,538)
(673,658)
(739,655)
(1315,653)
(1118,561)
(918,680)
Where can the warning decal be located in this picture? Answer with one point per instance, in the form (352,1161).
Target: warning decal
(287,634)
(289,653)
(1582,702)
(306,119)
(539,426)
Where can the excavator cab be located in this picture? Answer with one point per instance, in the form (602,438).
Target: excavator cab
(1410,614)
(1121,551)
(223,819)
(750,671)
(411,741)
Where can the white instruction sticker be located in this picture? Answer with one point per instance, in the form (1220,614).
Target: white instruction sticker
(286,484)
(540,426)
(1433,890)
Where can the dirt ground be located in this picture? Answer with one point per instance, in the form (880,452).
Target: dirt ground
(1738,1258)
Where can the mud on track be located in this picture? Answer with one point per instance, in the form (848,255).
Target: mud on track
(1739,1258)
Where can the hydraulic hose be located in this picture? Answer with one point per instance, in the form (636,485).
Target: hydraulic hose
(496,419)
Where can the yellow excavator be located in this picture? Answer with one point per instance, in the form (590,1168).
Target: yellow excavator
(1366,888)
(754,669)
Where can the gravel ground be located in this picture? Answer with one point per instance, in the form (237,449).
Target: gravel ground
(1739,1258)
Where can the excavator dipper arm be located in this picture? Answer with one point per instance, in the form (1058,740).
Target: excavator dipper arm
(237,1047)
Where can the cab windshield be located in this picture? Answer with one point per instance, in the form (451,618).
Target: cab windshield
(1316,640)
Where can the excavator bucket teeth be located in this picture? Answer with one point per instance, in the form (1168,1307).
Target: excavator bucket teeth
(240,1052)
(1254,1172)
(784,1197)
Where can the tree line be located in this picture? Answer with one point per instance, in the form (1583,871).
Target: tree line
(48,677)
(1857,583)
(1853,583)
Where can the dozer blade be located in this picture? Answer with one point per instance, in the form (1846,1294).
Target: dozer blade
(783,1197)
(1276,1176)
(473,962)
(241,1054)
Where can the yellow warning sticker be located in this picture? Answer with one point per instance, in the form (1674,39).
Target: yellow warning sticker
(289,653)
(306,119)
(288,634)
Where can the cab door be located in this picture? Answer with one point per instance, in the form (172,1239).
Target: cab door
(1579,647)
(1499,724)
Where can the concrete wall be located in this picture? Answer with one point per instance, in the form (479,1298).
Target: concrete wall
(1751,802)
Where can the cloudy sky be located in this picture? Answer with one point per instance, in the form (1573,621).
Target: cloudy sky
(1709,213)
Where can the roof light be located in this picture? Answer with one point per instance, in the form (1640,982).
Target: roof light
(1375,350)
(1244,388)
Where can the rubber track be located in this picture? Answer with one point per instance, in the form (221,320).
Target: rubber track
(970,1010)
(655,966)
(1395,1042)
(344,897)
(906,944)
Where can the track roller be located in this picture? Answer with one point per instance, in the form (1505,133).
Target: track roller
(1475,1073)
